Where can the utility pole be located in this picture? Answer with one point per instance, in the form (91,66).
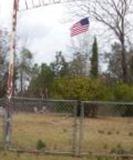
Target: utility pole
(10,88)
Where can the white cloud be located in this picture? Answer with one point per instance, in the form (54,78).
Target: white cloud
(39,29)
(44,32)
(5,13)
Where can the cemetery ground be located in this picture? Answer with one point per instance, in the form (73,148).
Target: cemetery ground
(25,156)
(55,132)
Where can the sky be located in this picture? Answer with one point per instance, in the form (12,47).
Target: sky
(44,30)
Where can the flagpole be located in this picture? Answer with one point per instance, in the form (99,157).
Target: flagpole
(10,86)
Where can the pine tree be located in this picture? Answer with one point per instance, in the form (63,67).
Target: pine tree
(94,60)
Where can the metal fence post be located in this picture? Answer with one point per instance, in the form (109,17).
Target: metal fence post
(74,143)
(7,125)
(78,128)
(80,137)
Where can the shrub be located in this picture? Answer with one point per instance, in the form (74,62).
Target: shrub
(123,92)
(40,145)
(81,88)
(130,134)
(109,132)
(119,150)
(101,131)
(105,146)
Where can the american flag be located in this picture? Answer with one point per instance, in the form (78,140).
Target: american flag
(80,27)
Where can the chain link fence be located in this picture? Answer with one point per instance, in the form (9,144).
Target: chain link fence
(70,126)
(44,125)
(108,127)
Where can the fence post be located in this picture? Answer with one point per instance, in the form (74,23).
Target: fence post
(7,125)
(80,132)
(78,128)
(74,145)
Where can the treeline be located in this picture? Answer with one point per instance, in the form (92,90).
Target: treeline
(80,78)
(77,87)
(76,80)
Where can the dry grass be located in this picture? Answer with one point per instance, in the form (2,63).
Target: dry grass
(56,131)
(108,133)
(25,156)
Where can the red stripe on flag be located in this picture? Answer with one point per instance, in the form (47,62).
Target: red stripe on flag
(80,27)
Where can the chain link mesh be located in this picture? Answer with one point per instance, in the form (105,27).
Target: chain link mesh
(71,126)
(108,127)
(43,124)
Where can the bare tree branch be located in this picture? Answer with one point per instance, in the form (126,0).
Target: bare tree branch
(115,15)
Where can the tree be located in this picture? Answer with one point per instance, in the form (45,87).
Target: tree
(24,68)
(59,66)
(114,65)
(115,15)
(130,62)
(41,82)
(77,67)
(94,60)
(3,61)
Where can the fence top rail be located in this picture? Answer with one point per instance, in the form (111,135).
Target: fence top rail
(45,100)
(109,102)
(73,101)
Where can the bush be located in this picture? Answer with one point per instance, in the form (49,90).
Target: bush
(40,145)
(81,88)
(118,150)
(90,89)
(124,92)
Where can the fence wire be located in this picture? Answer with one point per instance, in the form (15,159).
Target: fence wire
(108,127)
(70,126)
(44,125)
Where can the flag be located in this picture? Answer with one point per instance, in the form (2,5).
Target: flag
(80,27)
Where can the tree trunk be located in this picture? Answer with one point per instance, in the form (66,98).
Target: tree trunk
(124,65)
(123,52)
(21,83)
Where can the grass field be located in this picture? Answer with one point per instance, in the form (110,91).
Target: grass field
(25,156)
(109,135)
